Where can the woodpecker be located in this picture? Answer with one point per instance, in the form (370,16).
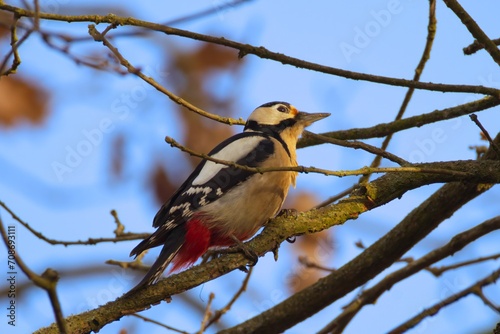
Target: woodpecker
(219,205)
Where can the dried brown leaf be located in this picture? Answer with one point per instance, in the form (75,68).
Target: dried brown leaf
(21,100)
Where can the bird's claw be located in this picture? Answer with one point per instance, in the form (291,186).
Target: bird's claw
(249,253)
(288,213)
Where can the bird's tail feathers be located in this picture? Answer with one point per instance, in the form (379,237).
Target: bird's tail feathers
(170,249)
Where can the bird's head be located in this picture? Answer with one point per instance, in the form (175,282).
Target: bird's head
(281,118)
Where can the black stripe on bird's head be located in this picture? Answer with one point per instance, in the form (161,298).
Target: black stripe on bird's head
(277,116)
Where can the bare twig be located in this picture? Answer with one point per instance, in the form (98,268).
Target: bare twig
(474,118)
(336,197)
(383,129)
(99,37)
(476,46)
(47,281)
(370,295)
(119,226)
(474,29)
(490,279)
(136,264)
(479,292)
(219,313)
(306,262)
(15,44)
(214,9)
(89,241)
(358,145)
(437,271)
(158,323)
(98,64)
(207,314)
(302,169)
(431,33)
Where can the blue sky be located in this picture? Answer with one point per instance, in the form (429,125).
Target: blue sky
(377,37)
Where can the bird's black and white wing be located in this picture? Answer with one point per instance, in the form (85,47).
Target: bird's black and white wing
(208,182)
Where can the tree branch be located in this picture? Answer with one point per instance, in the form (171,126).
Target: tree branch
(476,46)
(368,264)
(457,170)
(437,271)
(90,241)
(413,228)
(357,145)
(100,37)
(261,52)
(47,281)
(15,43)
(490,279)
(384,129)
(474,29)
(426,54)
(371,295)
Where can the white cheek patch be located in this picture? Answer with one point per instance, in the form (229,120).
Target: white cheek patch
(232,152)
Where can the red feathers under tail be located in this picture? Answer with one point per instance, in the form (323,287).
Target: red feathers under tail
(183,246)
(196,244)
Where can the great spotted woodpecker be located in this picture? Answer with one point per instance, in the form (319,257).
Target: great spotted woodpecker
(219,205)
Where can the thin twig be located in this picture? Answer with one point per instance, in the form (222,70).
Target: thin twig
(474,29)
(15,44)
(437,271)
(119,226)
(36,18)
(410,323)
(304,260)
(474,118)
(98,64)
(358,145)
(302,169)
(476,46)
(219,313)
(136,264)
(158,323)
(99,37)
(479,292)
(426,54)
(89,241)
(383,129)
(47,281)
(336,197)
(207,314)
(371,295)
(217,8)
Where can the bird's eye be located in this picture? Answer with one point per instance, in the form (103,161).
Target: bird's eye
(282,109)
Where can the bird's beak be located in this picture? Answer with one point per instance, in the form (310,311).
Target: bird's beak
(309,118)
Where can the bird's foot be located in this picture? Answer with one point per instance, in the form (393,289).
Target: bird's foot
(249,253)
(239,247)
(288,213)
(212,254)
